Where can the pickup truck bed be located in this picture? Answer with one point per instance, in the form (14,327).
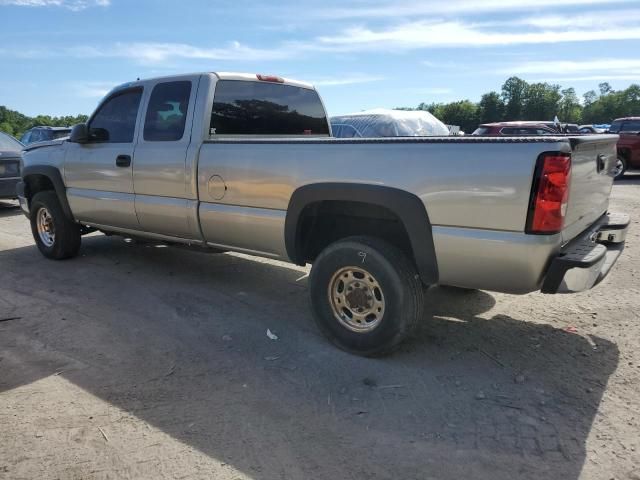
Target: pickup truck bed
(378,218)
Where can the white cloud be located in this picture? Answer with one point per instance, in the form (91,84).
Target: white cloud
(75,5)
(395,9)
(598,66)
(440,34)
(157,53)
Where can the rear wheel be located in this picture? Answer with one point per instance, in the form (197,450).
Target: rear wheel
(56,236)
(366,295)
(621,167)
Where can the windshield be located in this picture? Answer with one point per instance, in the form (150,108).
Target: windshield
(9,143)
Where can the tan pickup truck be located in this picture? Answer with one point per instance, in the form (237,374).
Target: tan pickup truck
(247,163)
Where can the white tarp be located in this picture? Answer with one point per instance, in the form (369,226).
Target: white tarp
(381,122)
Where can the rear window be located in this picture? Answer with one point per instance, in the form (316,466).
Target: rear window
(481,131)
(261,108)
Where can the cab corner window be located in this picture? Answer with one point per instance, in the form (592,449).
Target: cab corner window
(167,112)
(115,121)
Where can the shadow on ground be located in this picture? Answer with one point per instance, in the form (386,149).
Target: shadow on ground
(9,209)
(178,339)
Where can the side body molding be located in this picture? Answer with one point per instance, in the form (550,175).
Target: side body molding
(406,206)
(54,175)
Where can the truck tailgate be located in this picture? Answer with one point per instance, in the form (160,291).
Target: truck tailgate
(593,158)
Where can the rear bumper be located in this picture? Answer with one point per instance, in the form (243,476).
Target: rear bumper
(8,187)
(587,259)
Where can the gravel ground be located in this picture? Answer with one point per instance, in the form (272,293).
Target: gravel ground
(137,361)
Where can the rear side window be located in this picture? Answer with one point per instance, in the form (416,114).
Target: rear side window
(261,108)
(115,121)
(631,126)
(167,112)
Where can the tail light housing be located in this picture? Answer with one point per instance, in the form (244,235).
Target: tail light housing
(550,194)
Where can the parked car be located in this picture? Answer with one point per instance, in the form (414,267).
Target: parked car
(245,162)
(514,128)
(10,153)
(628,145)
(590,129)
(381,122)
(44,134)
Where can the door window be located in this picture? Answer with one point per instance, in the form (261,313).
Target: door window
(167,112)
(631,126)
(115,121)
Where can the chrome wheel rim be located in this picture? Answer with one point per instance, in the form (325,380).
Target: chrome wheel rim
(356,299)
(46,230)
(619,168)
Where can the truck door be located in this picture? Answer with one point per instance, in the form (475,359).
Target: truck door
(165,202)
(99,173)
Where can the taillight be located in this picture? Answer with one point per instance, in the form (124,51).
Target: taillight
(269,78)
(550,194)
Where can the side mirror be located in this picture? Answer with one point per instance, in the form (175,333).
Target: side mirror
(79,133)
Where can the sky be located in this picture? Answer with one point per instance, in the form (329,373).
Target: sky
(59,57)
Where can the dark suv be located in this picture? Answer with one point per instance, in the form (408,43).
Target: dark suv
(629,144)
(44,134)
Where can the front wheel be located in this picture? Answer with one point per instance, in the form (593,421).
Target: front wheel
(366,295)
(56,236)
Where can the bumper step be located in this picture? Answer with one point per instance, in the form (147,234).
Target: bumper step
(585,261)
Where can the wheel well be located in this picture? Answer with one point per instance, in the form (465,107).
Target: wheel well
(37,183)
(324,222)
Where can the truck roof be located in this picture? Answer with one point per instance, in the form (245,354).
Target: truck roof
(222,76)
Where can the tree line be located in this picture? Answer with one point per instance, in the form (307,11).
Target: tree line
(520,100)
(15,123)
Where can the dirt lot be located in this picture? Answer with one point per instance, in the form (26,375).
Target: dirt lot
(137,361)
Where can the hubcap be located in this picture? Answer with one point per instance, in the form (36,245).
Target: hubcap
(619,168)
(46,230)
(356,299)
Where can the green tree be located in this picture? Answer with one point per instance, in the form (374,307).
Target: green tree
(491,108)
(514,92)
(541,102)
(570,110)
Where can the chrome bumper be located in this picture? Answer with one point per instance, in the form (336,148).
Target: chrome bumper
(586,260)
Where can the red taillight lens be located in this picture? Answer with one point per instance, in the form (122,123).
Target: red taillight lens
(549,198)
(269,78)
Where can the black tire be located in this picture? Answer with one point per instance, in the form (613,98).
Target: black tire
(399,287)
(621,171)
(66,241)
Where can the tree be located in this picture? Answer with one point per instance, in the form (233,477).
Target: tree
(541,102)
(569,110)
(605,88)
(491,108)
(514,91)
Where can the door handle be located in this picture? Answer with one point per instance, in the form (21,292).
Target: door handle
(123,161)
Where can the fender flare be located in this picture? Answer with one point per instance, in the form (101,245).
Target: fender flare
(405,205)
(54,175)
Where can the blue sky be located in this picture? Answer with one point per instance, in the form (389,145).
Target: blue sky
(60,56)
